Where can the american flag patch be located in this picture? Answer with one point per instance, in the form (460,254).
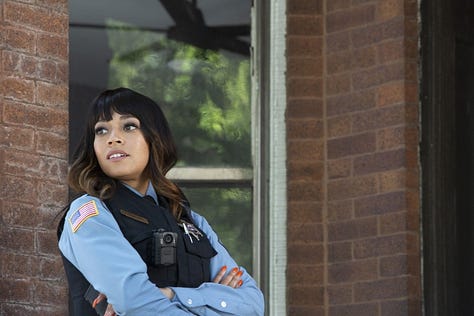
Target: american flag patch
(82,214)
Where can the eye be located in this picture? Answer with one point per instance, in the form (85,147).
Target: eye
(100,130)
(130,126)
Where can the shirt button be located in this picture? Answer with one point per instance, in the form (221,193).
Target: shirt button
(190,301)
(224,304)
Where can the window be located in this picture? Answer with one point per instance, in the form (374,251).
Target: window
(193,58)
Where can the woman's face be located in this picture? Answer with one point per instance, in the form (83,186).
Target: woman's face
(121,150)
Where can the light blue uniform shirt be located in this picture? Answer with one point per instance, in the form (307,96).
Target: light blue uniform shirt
(109,262)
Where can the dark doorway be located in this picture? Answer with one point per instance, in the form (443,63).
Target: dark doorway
(447,154)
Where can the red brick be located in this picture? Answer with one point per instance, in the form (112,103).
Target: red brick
(304,108)
(35,166)
(305,150)
(351,145)
(340,294)
(380,204)
(390,138)
(337,42)
(305,66)
(350,230)
(379,290)
(341,168)
(47,242)
(52,144)
(52,95)
(305,87)
(378,75)
(304,25)
(338,62)
(305,274)
(305,171)
(369,309)
(304,128)
(389,9)
(338,84)
(339,126)
(345,19)
(36,116)
(12,268)
(375,33)
(304,190)
(310,7)
(51,269)
(304,212)
(306,310)
(18,89)
(339,252)
(379,162)
(19,40)
(15,290)
(350,102)
(340,210)
(18,189)
(379,118)
(17,240)
(363,57)
(52,46)
(305,231)
(335,5)
(307,253)
(58,5)
(17,137)
(393,266)
(390,51)
(380,246)
(390,94)
(47,70)
(46,292)
(307,295)
(346,188)
(19,214)
(304,46)
(392,180)
(396,308)
(36,18)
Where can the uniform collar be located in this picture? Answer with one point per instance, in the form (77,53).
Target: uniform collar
(150,191)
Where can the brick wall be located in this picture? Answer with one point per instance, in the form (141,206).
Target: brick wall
(33,154)
(352,121)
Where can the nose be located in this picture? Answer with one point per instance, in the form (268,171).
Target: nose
(114,138)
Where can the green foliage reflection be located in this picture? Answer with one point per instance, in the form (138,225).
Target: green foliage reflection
(205,94)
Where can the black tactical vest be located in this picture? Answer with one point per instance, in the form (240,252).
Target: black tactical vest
(139,219)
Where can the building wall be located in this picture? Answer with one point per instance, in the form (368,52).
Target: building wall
(352,136)
(33,154)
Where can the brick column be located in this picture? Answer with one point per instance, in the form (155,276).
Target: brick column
(353,228)
(33,154)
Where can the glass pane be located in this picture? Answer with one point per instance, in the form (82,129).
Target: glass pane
(229,211)
(190,56)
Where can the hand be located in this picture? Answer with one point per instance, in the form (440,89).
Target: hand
(109,310)
(233,278)
(169,293)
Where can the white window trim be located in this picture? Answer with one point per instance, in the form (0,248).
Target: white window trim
(276,221)
(277,186)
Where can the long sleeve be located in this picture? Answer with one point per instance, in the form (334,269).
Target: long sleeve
(215,299)
(93,243)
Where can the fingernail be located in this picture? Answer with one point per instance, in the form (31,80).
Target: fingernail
(240,282)
(224,268)
(234,270)
(240,273)
(95,302)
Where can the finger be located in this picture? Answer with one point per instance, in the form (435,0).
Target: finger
(98,299)
(229,278)
(109,311)
(234,283)
(220,274)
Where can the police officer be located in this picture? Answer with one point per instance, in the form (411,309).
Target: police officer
(131,235)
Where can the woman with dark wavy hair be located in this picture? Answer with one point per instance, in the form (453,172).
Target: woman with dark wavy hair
(131,235)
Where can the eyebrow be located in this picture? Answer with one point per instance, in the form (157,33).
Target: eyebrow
(122,117)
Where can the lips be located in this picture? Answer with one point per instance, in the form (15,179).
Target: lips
(116,155)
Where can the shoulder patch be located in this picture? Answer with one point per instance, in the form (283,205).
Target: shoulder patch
(83,213)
